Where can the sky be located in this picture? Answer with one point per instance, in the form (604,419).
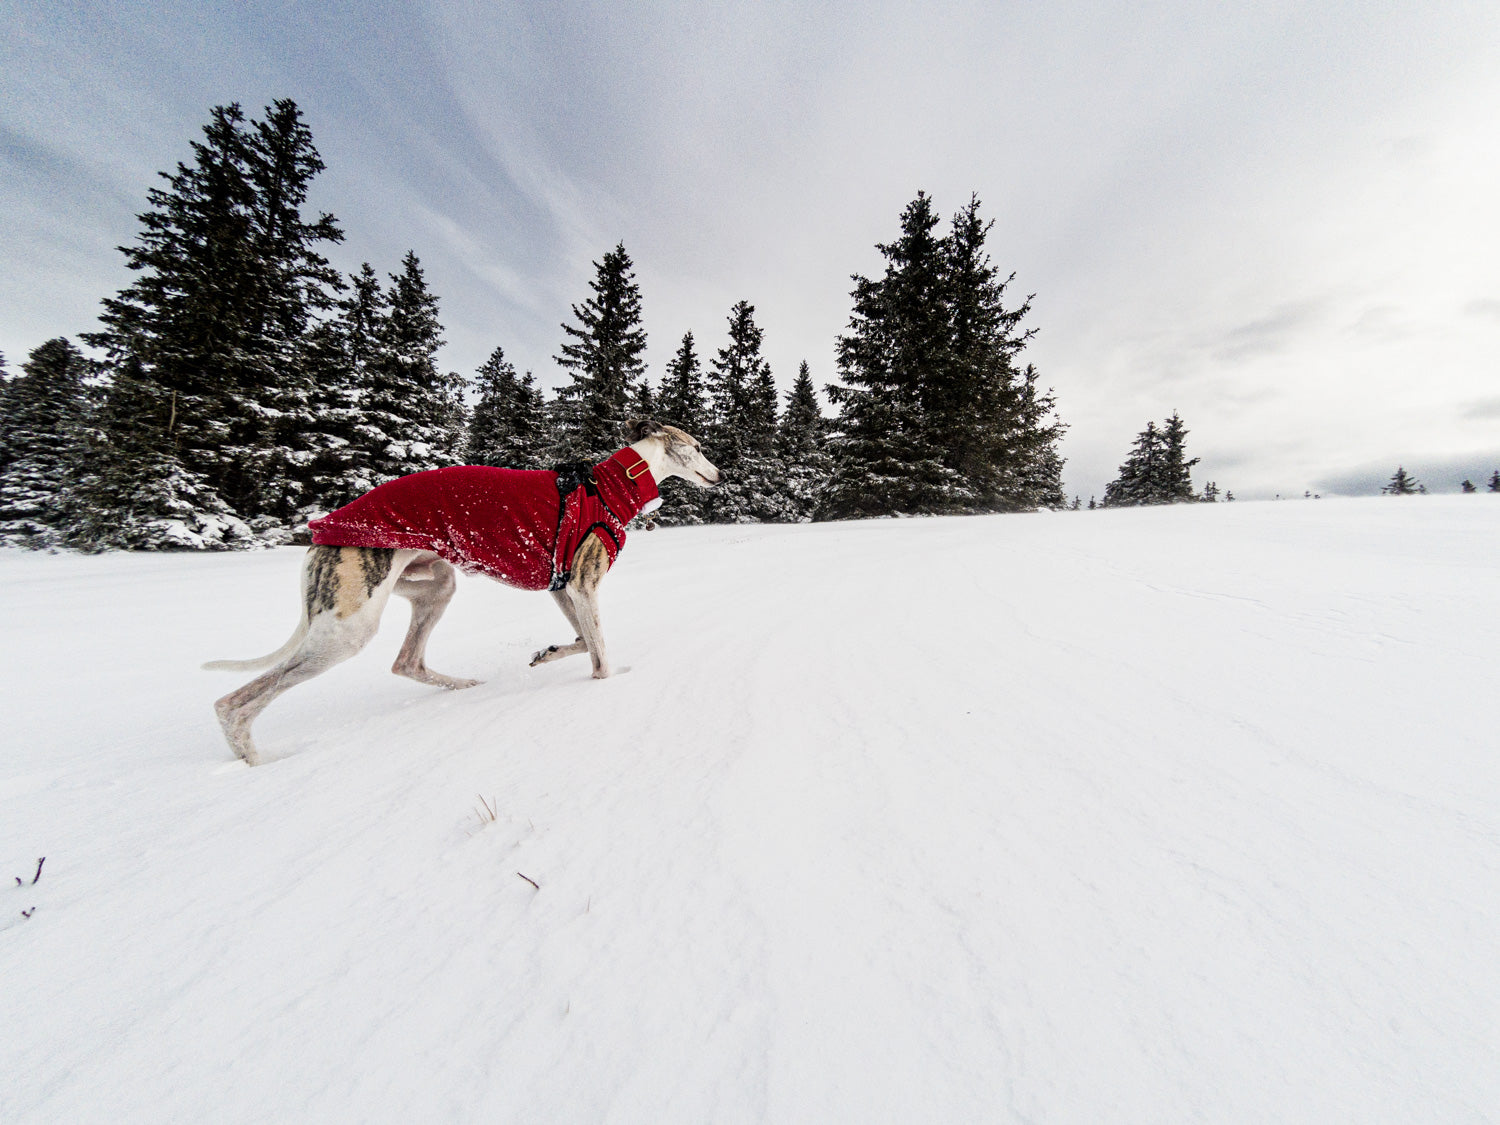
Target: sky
(1278,219)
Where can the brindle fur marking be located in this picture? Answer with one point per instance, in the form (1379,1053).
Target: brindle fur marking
(321,585)
(345,590)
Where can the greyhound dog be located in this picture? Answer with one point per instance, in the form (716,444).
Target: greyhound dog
(345,588)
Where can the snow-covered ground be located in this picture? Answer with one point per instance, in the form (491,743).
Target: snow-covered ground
(1147,816)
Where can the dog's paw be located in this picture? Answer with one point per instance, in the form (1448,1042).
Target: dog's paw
(541,655)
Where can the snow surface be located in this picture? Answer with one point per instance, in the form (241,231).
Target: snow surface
(1158,815)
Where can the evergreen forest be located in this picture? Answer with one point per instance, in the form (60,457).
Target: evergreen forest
(240,384)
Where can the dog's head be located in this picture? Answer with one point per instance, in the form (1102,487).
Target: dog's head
(683,452)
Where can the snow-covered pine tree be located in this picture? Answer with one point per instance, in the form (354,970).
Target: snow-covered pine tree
(603,356)
(896,344)
(1494,485)
(130,490)
(1401,483)
(999,429)
(680,402)
(507,425)
(1210,493)
(642,400)
(339,354)
(801,444)
(410,418)
(742,429)
(43,410)
(1157,469)
(1032,466)
(1138,473)
(296,291)
(1175,484)
(229,277)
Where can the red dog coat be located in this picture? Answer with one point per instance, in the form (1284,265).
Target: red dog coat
(520,526)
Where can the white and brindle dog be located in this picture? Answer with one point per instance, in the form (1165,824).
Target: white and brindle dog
(345,590)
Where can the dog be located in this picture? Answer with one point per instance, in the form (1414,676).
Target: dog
(554,530)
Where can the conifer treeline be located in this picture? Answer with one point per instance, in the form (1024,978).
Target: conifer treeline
(242,384)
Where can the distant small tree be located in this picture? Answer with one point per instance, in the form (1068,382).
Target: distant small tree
(506,429)
(1495,481)
(1092,505)
(1210,493)
(1402,483)
(1468,486)
(1228,497)
(1157,469)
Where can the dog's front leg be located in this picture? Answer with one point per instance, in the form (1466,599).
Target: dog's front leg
(590,564)
(564,602)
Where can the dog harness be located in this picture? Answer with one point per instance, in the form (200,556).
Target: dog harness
(520,526)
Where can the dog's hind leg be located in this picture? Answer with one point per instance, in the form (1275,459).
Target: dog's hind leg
(344,591)
(428,585)
(556,652)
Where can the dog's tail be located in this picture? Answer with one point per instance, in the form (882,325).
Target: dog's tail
(260,662)
(281,653)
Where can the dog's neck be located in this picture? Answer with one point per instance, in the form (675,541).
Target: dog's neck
(653,451)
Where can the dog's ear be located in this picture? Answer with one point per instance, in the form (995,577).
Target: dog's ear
(638,429)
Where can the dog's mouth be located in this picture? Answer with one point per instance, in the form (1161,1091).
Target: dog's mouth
(705,480)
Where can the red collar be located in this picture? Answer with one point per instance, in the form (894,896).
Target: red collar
(638,477)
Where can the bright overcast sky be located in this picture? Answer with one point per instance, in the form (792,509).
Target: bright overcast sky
(1280,219)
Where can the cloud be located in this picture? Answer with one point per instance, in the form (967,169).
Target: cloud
(1271,334)
(1481,408)
(1483,308)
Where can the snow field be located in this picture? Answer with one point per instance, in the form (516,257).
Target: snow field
(1157,815)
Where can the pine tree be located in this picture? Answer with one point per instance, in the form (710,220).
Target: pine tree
(896,346)
(1157,470)
(603,356)
(411,414)
(1210,493)
(680,402)
(999,428)
(1028,454)
(229,279)
(1468,486)
(1494,485)
(742,430)
(130,490)
(1401,484)
(803,426)
(934,413)
(507,426)
(1175,485)
(1138,473)
(801,443)
(43,411)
